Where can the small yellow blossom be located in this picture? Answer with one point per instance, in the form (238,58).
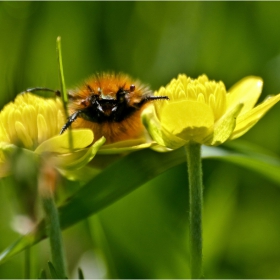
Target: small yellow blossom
(33,123)
(202,111)
(30,120)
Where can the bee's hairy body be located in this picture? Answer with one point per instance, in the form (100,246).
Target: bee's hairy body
(110,105)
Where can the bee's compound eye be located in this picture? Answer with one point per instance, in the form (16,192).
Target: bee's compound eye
(132,88)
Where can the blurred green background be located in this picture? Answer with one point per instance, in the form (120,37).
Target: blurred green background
(144,235)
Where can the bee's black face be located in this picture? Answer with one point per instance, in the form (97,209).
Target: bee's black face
(107,109)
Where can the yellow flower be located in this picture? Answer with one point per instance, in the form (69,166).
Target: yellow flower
(202,111)
(33,124)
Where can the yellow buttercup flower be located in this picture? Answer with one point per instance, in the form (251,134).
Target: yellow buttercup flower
(202,111)
(30,120)
(33,124)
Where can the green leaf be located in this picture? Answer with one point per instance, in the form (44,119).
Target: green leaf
(80,273)
(134,170)
(43,274)
(53,273)
(253,157)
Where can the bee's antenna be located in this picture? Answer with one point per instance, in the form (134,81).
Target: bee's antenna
(152,97)
(71,119)
(148,98)
(57,92)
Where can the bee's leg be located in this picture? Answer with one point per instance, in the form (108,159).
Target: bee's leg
(57,92)
(71,119)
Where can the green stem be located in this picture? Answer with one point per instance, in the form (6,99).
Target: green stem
(27,266)
(64,95)
(55,236)
(47,184)
(195,208)
(61,75)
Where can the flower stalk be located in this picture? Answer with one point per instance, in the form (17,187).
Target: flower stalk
(27,263)
(193,151)
(61,75)
(47,181)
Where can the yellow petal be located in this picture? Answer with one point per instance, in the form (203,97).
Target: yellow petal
(79,159)
(28,114)
(42,128)
(245,121)
(157,132)
(125,146)
(224,127)
(189,120)
(23,135)
(246,91)
(9,123)
(82,138)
